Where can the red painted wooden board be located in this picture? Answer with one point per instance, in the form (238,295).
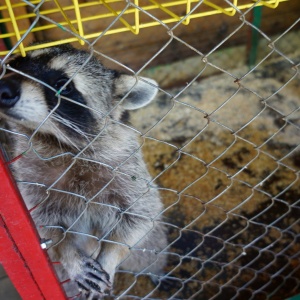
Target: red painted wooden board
(21,254)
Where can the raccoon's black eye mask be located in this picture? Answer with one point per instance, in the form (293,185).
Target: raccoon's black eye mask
(60,83)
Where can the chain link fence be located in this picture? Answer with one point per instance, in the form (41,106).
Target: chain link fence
(223,153)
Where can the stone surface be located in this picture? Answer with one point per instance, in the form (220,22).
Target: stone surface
(7,290)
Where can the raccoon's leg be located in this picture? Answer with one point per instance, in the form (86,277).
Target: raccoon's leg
(89,275)
(146,256)
(114,253)
(92,280)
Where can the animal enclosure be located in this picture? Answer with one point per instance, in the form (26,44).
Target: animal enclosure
(221,141)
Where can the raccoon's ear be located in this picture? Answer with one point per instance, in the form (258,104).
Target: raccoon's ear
(142,91)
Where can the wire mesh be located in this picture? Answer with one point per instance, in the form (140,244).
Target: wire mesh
(85,16)
(223,154)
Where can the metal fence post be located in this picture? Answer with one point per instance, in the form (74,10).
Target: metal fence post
(21,254)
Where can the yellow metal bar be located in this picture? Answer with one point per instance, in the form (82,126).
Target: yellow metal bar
(167,11)
(188,9)
(240,7)
(68,21)
(177,18)
(78,18)
(15,26)
(270,4)
(137,17)
(132,13)
(228,11)
(124,22)
(2,7)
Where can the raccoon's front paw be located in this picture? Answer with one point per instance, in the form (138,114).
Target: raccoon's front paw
(93,282)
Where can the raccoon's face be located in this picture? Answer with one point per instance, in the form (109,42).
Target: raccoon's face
(67,91)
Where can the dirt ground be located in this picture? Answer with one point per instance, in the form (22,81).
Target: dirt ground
(225,156)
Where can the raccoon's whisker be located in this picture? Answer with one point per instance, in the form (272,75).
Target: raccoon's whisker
(74,127)
(71,125)
(63,136)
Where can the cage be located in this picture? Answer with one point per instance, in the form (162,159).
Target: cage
(220,141)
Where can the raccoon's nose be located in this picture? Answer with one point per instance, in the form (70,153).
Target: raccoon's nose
(9,93)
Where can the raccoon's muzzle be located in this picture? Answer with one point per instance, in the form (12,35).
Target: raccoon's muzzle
(9,93)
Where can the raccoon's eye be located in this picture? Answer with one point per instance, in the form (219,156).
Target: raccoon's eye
(60,83)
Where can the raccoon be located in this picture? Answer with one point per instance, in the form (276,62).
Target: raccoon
(83,177)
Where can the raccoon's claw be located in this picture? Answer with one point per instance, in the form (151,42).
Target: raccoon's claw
(93,282)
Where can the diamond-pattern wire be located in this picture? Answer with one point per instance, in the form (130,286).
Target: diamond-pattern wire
(176,101)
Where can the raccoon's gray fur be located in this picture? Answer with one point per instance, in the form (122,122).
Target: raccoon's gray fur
(93,198)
